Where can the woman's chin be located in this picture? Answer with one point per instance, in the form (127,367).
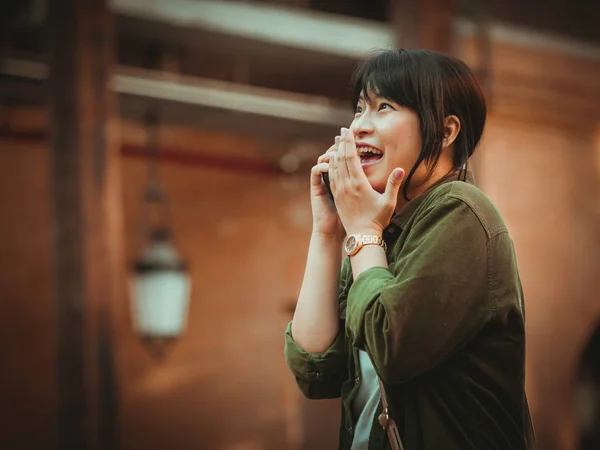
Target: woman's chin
(373,174)
(377,184)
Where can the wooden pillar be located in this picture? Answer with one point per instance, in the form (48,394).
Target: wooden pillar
(86,220)
(422,23)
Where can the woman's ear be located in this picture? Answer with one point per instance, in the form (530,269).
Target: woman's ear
(451,130)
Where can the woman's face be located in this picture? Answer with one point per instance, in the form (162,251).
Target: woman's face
(387,136)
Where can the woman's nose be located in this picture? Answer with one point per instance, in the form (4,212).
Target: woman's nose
(361,125)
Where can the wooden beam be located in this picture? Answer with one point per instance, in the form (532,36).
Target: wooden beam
(241,23)
(85,194)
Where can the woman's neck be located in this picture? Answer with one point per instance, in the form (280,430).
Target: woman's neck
(414,191)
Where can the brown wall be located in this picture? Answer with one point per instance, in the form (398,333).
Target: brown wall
(546,183)
(27,376)
(539,163)
(225,384)
(245,235)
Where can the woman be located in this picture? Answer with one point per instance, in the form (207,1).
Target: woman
(429,299)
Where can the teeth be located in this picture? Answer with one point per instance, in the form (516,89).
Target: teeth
(364,150)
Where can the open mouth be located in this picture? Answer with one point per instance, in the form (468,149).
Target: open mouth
(369,155)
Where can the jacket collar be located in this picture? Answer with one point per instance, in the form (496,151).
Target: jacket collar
(400,219)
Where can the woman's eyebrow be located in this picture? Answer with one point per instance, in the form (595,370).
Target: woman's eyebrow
(367,100)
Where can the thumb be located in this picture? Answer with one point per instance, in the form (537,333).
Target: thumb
(393,186)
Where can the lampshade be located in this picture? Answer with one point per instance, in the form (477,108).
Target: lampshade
(160,290)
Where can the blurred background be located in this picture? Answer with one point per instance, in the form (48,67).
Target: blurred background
(154,207)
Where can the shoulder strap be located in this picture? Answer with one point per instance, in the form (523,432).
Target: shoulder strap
(528,431)
(387,423)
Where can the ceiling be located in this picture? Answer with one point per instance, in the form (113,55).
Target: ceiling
(310,50)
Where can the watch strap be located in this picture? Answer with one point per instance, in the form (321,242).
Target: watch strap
(370,239)
(365,239)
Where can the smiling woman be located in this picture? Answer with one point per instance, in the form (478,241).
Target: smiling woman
(422,324)
(439,105)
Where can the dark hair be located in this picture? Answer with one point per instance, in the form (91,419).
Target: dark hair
(433,85)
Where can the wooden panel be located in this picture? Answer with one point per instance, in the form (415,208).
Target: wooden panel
(27,315)
(539,85)
(423,23)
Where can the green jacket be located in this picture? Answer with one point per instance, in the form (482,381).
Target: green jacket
(443,326)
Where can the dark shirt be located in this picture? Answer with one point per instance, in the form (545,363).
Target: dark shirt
(443,326)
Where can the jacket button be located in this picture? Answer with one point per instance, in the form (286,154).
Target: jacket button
(357,380)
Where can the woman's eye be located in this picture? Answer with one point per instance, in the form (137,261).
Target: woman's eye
(384,106)
(358,110)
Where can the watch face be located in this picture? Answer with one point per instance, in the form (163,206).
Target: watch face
(350,244)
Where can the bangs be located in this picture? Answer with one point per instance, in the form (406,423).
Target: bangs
(387,75)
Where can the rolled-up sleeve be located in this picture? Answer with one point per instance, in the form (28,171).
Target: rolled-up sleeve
(319,375)
(431,301)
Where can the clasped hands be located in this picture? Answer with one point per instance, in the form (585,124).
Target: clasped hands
(361,209)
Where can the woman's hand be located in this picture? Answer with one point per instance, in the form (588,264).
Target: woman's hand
(361,209)
(326,221)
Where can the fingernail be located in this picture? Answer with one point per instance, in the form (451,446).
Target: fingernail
(337,140)
(343,132)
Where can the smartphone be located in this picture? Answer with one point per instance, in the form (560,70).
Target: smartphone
(325,177)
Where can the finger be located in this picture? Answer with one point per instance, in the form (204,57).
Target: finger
(316,172)
(325,158)
(393,186)
(335,146)
(351,156)
(332,180)
(340,167)
(330,150)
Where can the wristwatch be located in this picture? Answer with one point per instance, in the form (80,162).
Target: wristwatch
(354,242)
